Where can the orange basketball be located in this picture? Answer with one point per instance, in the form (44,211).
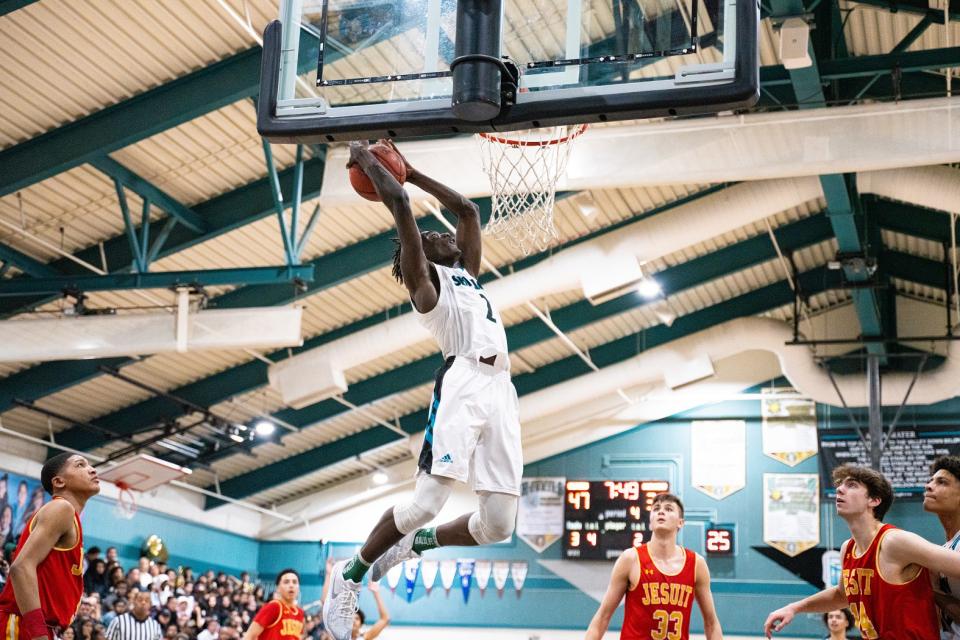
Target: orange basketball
(390,159)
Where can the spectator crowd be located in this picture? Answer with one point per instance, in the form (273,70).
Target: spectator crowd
(185,605)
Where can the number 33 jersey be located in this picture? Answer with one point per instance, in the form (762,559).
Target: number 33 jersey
(465,322)
(659,607)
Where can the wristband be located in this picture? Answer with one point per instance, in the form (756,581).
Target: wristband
(33,625)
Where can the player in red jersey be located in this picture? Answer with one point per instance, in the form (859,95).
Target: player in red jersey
(281,618)
(886,571)
(45,583)
(661,580)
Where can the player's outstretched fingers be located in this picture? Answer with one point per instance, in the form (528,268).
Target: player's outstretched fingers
(777,621)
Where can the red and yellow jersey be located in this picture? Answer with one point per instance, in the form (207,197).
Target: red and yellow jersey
(59,576)
(659,607)
(888,610)
(279,621)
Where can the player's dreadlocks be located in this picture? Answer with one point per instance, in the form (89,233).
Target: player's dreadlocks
(396,261)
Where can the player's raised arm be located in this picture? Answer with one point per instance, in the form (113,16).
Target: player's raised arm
(701,592)
(469,238)
(619,582)
(52,524)
(413,263)
(383,614)
(907,548)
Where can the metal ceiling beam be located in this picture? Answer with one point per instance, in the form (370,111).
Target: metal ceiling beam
(146,189)
(9,6)
(259,276)
(23,262)
(332,269)
(807,85)
(758,301)
(222,214)
(918,7)
(866,66)
(140,117)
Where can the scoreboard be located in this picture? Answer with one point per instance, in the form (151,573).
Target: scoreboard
(601,518)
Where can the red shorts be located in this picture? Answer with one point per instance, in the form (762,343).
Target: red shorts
(10,628)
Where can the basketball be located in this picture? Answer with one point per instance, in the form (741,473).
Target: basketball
(389,159)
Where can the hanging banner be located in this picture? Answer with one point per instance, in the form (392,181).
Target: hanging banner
(448,571)
(789,426)
(518,571)
(393,577)
(428,573)
(501,569)
(465,569)
(540,515)
(832,565)
(791,511)
(411,569)
(718,456)
(482,572)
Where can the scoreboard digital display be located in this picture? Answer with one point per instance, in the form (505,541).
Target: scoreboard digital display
(720,540)
(601,518)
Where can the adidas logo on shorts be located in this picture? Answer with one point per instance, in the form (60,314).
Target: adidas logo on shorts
(446,458)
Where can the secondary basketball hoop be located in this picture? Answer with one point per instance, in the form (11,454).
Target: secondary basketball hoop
(524,168)
(139,473)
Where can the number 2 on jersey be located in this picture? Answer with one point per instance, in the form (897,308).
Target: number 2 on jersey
(489,309)
(669,625)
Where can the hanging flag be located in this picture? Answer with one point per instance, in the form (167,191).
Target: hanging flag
(482,573)
(448,571)
(518,571)
(465,569)
(393,577)
(501,569)
(428,573)
(411,568)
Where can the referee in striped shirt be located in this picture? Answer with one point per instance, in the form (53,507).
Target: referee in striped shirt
(136,624)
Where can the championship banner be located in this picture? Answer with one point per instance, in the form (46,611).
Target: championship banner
(832,565)
(718,456)
(393,577)
(518,571)
(465,569)
(411,569)
(482,574)
(789,426)
(428,573)
(791,511)
(501,569)
(540,515)
(448,571)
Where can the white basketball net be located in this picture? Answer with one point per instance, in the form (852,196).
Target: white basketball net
(126,505)
(524,168)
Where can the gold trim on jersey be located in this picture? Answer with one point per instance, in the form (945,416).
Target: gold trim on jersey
(880,573)
(686,559)
(76,528)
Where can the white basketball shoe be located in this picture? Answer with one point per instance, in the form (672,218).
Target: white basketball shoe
(341,604)
(393,556)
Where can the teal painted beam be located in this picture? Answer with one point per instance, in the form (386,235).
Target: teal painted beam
(917,7)
(140,117)
(259,276)
(865,66)
(30,266)
(808,90)
(332,269)
(931,273)
(224,213)
(758,301)
(909,219)
(148,190)
(9,6)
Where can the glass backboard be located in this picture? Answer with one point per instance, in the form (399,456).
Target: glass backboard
(349,69)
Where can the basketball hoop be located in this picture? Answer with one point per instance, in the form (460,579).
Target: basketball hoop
(126,506)
(524,168)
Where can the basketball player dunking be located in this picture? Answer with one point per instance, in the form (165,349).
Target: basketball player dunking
(886,578)
(661,580)
(45,585)
(941,497)
(474,414)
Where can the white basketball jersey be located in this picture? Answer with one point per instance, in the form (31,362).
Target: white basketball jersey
(953,585)
(464,322)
